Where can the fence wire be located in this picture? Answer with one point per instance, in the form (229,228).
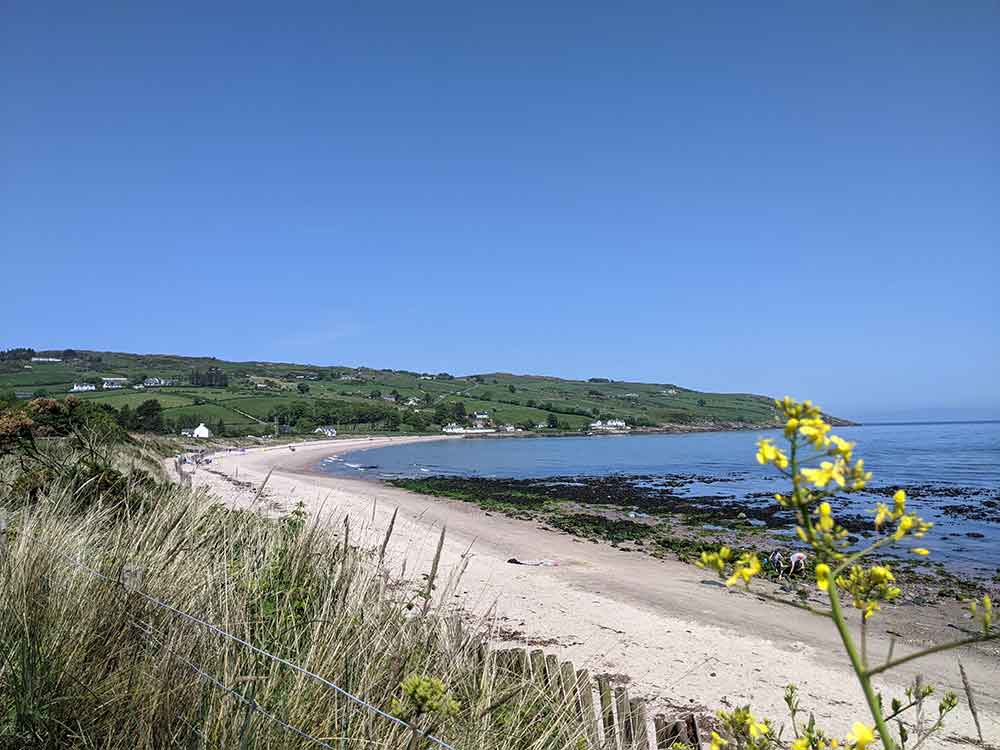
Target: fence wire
(361,702)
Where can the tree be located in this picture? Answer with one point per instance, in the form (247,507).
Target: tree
(552,421)
(701,403)
(303,388)
(220,428)
(126,418)
(511,388)
(375,395)
(149,416)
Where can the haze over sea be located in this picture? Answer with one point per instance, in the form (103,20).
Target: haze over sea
(951,471)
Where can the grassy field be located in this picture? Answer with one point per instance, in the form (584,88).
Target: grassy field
(265,390)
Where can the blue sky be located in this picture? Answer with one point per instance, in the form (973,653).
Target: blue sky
(743,197)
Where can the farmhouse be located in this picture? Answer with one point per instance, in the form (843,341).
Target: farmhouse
(46,359)
(78,387)
(201,431)
(157,382)
(109,384)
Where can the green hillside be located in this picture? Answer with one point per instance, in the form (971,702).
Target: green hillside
(247,397)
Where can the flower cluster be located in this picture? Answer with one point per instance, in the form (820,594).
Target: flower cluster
(743,568)
(424,696)
(907,524)
(986,618)
(869,587)
(745,730)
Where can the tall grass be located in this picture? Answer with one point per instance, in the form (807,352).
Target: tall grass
(87,664)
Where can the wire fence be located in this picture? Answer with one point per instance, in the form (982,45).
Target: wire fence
(252,705)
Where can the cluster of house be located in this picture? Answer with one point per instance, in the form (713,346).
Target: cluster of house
(46,359)
(609,425)
(114,384)
(481,423)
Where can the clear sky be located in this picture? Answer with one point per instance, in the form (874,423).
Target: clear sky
(794,197)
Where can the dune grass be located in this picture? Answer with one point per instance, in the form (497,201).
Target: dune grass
(86,663)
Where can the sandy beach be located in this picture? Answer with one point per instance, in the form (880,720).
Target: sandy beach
(679,639)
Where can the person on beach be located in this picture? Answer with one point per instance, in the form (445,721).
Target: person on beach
(796,561)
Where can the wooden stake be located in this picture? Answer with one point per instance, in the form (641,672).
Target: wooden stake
(624,720)
(585,693)
(607,712)
(538,667)
(640,731)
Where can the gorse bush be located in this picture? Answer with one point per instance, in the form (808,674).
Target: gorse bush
(821,465)
(88,663)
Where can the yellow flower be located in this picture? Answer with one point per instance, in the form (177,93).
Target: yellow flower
(861,735)
(841,447)
(922,551)
(744,569)
(882,514)
(905,524)
(826,473)
(987,611)
(899,501)
(757,729)
(718,742)
(814,430)
(800,743)
(881,574)
(768,453)
(823,576)
(825,517)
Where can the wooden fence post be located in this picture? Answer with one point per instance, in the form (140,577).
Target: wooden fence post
(640,731)
(3,533)
(624,720)
(660,731)
(521,665)
(607,712)
(694,735)
(568,681)
(585,694)
(552,673)
(538,666)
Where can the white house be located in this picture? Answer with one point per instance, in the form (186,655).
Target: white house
(78,387)
(453,429)
(156,382)
(325,430)
(46,359)
(508,428)
(113,383)
(610,425)
(413,401)
(201,431)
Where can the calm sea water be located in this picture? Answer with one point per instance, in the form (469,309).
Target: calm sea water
(954,465)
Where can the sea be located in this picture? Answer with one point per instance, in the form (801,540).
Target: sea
(951,471)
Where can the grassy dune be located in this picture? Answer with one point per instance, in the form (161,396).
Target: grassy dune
(87,664)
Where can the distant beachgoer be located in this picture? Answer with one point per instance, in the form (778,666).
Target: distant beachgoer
(796,560)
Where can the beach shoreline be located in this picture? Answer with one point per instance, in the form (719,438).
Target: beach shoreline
(679,639)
